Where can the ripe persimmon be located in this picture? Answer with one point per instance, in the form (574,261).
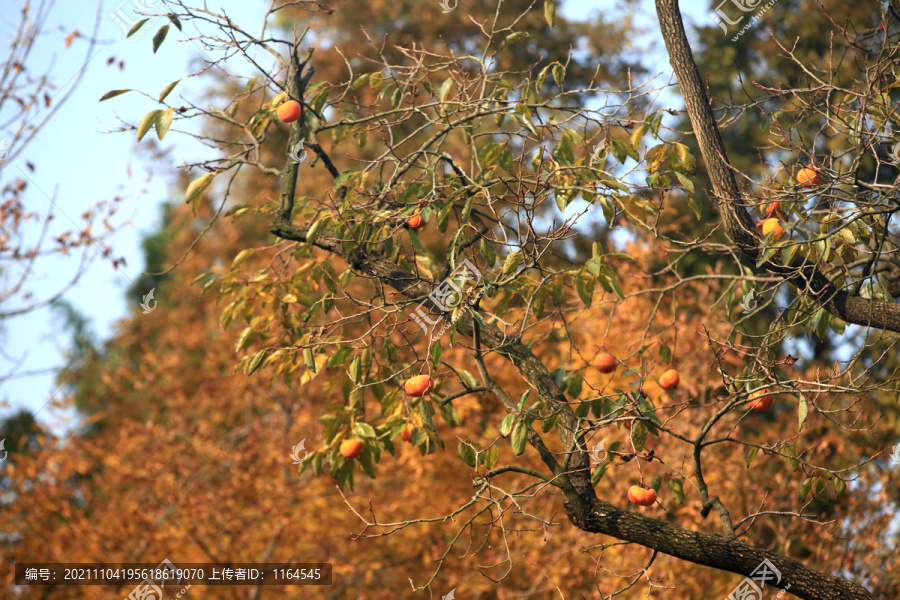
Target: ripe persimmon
(418,386)
(762,401)
(606,363)
(288,111)
(416,221)
(774,227)
(351,448)
(641,496)
(406,434)
(669,380)
(772,208)
(808,177)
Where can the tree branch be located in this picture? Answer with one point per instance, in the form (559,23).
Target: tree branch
(719,552)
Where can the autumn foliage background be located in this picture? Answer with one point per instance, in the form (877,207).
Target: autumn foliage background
(182,455)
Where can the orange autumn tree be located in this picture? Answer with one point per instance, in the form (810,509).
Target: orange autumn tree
(511,172)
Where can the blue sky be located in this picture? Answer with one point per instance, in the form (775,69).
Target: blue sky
(80,162)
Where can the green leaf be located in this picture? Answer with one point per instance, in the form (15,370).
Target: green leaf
(113,94)
(444,89)
(241,257)
(548,423)
(146,123)
(506,159)
(309,359)
(638,435)
(414,238)
(840,486)
(522,115)
(665,354)
(654,127)
(507,423)
(436,354)
(491,456)
(656,483)
(342,179)
(467,210)
(550,12)
(363,430)
(338,358)
(168,89)
(487,252)
(426,411)
(677,489)
(751,455)
(468,378)
(466,452)
(621,149)
(524,398)
(196,188)
(135,27)
(805,487)
(574,386)
(512,262)
(696,206)
(598,473)
(519,438)
(313,234)
(585,290)
(159,37)
(683,161)
(559,74)
(163,122)
(449,414)
(765,255)
(594,265)
(687,183)
(803,412)
(511,38)
(792,457)
(257,360)
(356,369)
(360,81)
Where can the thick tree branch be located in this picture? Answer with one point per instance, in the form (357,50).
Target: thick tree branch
(719,552)
(738,224)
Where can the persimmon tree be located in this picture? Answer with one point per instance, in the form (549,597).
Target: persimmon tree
(568,205)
